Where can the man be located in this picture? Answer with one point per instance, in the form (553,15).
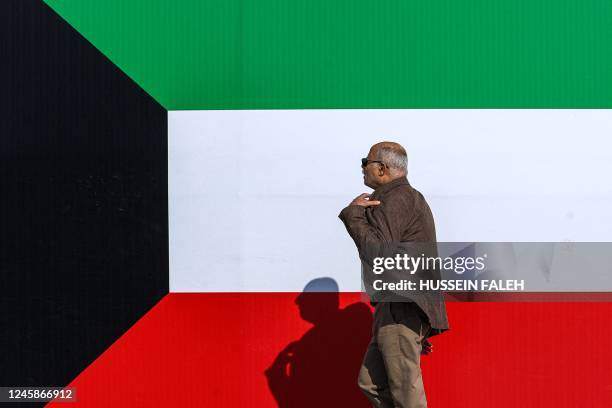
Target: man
(390,374)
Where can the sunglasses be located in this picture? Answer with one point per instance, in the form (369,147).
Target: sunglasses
(365,162)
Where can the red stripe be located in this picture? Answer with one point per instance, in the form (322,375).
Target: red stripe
(211,350)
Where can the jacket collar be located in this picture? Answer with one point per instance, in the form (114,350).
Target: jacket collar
(390,186)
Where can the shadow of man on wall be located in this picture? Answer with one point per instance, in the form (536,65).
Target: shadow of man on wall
(321,368)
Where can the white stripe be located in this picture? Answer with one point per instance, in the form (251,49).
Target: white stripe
(254,195)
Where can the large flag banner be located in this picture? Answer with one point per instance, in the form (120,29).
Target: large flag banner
(173,173)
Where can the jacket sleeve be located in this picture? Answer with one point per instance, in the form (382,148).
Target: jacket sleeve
(386,226)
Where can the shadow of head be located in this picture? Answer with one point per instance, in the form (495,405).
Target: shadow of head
(320,301)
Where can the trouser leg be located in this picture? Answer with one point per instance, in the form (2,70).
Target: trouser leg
(373,378)
(401,348)
(391,372)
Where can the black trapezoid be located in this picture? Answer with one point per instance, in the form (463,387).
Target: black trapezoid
(83,213)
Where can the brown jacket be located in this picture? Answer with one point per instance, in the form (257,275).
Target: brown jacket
(402,216)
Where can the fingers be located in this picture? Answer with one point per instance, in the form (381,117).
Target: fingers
(362,197)
(363,200)
(369,203)
(427,347)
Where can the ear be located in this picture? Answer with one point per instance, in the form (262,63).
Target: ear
(381,170)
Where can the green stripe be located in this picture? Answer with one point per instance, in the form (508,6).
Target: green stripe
(282,54)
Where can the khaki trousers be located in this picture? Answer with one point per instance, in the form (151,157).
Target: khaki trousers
(390,375)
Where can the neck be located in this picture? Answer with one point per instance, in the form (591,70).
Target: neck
(389,184)
(393,178)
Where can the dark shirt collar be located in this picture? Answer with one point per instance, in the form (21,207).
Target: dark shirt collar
(390,185)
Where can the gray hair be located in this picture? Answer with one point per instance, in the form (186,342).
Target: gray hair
(395,158)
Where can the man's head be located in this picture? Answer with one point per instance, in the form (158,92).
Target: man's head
(386,162)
